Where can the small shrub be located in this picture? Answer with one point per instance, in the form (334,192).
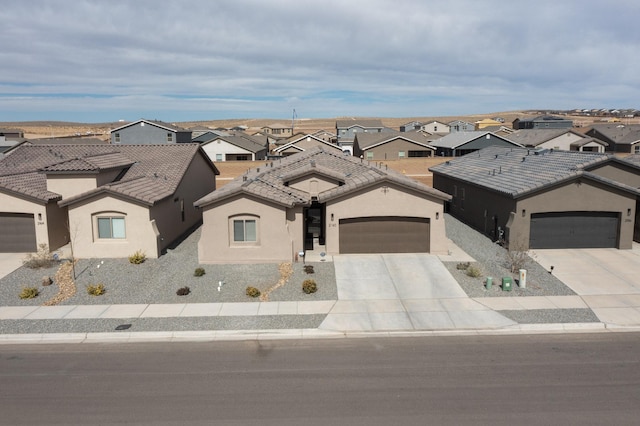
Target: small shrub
(308,269)
(138,257)
(183,291)
(46,280)
(198,272)
(95,289)
(462,266)
(252,292)
(309,286)
(29,293)
(43,258)
(473,271)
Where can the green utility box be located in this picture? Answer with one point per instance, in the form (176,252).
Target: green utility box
(506,283)
(489,282)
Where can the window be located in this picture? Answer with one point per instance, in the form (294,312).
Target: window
(244,230)
(636,149)
(117,138)
(218,157)
(111,227)
(169,137)
(400,154)
(369,155)
(435,128)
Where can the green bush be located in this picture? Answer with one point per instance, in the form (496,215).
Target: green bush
(95,289)
(252,292)
(183,291)
(309,286)
(198,272)
(138,257)
(29,293)
(473,271)
(462,266)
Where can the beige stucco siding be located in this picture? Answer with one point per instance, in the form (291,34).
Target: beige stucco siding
(386,200)
(140,233)
(562,142)
(583,195)
(313,184)
(13,204)
(279,232)
(58,229)
(391,150)
(619,173)
(167,214)
(68,186)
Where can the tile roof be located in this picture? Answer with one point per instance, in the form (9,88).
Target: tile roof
(621,134)
(370,124)
(370,140)
(456,139)
(270,182)
(534,137)
(153,172)
(518,171)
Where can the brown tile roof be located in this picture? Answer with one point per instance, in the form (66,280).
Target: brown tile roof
(270,182)
(370,140)
(153,172)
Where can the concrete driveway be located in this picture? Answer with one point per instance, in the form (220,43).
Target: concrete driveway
(9,262)
(608,280)
(391,292)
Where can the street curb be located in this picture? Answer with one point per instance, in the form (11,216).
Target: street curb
(305,334)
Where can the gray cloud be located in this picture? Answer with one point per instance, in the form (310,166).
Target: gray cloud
(99,61)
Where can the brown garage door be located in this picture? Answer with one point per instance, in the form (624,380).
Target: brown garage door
(384,235)
(17,233)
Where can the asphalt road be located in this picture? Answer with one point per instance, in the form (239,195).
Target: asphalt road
(509,380)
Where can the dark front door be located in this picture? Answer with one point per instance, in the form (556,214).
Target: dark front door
(314,225)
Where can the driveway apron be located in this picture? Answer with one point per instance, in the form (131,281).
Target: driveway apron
(391,292)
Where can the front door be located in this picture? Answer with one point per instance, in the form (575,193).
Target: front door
(314,225)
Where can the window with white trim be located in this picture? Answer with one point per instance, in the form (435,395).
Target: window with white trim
(117,138)
(111,227)
(369,155)
(169,137)
(245,230)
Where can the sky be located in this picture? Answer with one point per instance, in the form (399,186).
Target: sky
(97,61)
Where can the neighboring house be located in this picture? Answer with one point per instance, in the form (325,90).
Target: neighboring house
(563,139)
(12,133)
(436,127)
(321,201)
(210,134)
(542,122)
(305,143)
(537,199)
(487,122)
(461,143)
(347,129)
(108,201)
(325,136)
(199,130)
(461,126)
(236,147)
(278,130)
(149,132)
(623,138)
(391,146)
(411,126)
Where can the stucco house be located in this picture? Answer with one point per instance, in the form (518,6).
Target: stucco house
(461,126)
(149,132)
(460,143)
(108,201)
(563,139)
(278,130)
(303,143)
(319,200)
(411,126)
(622,138)
(235,147)
(436,127)
(542,122)
(347,129)
(535,199)
(391,146)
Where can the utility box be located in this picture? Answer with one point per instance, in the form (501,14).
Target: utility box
(522,282)
(506,283)
(489,283)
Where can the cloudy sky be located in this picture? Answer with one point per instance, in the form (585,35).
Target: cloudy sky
(98,61)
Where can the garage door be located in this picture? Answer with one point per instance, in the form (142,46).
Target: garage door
(17,233)
(574,230)
(384,235)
